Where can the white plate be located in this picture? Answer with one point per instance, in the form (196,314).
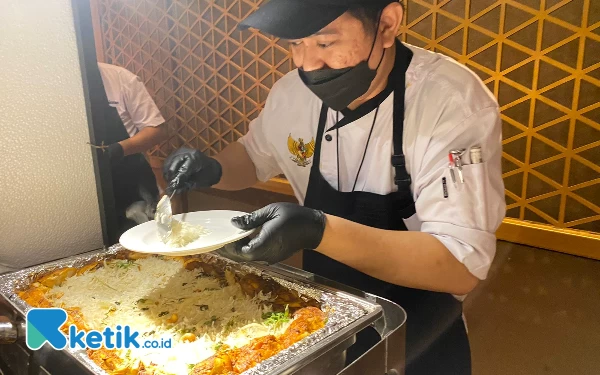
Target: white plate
(144,237)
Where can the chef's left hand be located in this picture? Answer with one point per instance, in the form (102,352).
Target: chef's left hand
(286,229)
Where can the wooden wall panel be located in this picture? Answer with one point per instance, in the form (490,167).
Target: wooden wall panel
(541,58)
(208,78)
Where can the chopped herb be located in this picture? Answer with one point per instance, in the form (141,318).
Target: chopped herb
(210,289)
(145,308)
(163,313)
(187,330)
(141,300)
(202,307)
(218,346)
(276,319)
(211,321)
(191,366)
(117,303)
(184,284)
(110,310)
(181,299)
(125,264)
(148,333)
(230,324)
(233,309)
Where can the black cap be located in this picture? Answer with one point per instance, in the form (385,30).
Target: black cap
(296,19)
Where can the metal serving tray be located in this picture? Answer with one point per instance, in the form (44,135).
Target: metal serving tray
(321,352)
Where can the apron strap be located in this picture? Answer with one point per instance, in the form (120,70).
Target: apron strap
(402,179)
(320,132)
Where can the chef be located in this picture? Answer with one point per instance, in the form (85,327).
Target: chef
(394,155)
(133,125)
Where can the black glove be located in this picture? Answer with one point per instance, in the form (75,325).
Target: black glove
(286,229)
(115,153)
(188,169)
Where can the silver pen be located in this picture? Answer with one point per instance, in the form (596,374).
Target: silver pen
(456,156)
(451,166)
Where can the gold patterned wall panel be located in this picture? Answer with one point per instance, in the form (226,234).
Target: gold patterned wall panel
(208,78)
(542,61)
(541,58)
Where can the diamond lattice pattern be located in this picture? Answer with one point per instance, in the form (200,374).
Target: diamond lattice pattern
(540,58)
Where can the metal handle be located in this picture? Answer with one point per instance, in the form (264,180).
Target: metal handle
(10,331)
(387,357)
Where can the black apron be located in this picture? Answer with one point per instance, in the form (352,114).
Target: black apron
(132,178)
(436,339)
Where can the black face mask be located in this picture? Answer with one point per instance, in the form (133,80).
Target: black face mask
(337,88)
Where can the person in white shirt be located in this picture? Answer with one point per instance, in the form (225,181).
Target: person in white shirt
(133,125)
(363,130)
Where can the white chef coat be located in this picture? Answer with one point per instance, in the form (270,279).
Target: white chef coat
(126,92)
(446,107)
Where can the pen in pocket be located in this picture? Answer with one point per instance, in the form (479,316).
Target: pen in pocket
(445,187)
(475,154)
(451,166)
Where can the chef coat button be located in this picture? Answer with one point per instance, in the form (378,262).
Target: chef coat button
(328,137)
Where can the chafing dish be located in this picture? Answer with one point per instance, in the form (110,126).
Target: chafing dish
(321,353)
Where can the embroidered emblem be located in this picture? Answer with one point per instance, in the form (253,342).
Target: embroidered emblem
(301,152)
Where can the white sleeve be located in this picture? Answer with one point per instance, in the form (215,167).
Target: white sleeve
(139,104)
(466,220)
(259,148)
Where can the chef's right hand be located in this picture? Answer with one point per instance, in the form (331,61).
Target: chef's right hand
(286,228)
(188,169)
